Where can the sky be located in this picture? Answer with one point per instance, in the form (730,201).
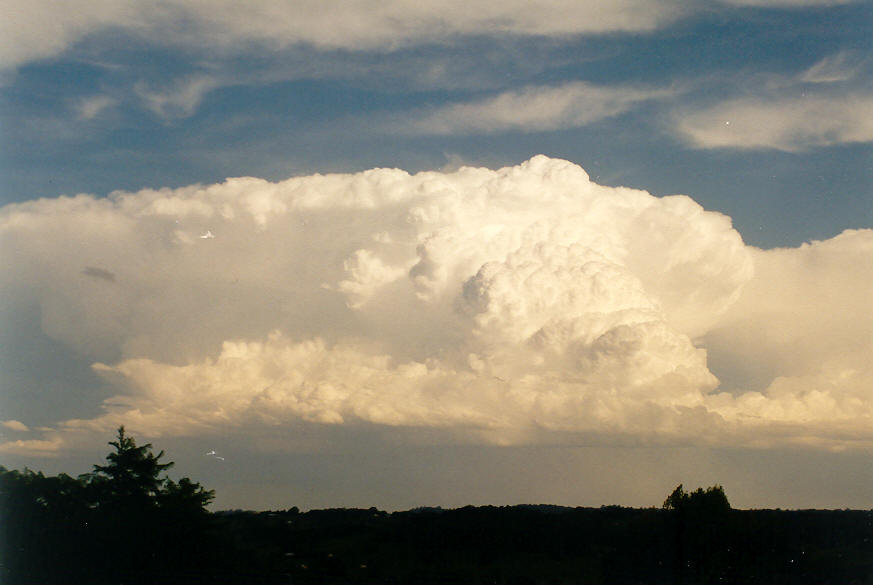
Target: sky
(400,254)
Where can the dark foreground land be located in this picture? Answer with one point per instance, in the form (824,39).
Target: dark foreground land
(508,545)
(125,524)
(544,545)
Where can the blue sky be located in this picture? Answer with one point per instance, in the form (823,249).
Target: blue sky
(127,109)
(757,110)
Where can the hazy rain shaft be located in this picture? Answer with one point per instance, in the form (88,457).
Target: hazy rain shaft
(499,305)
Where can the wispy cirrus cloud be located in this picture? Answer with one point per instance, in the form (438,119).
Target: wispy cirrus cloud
(791,123)
(824,105)
(90,107)
(39,29)
(841,66)
(180,99)
(531,109)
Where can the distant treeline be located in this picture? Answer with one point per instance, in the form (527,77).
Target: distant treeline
(125,524)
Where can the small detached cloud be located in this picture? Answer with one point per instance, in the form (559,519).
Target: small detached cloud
(833,69)
(34,447)
(90,107)
(505,306)
(180,100)
(14,425)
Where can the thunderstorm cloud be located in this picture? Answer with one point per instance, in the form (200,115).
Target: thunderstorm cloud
(499,306)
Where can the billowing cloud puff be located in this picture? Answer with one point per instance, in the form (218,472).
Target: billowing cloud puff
(503,305)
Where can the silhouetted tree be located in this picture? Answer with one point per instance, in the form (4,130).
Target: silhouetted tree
(676,500)
(700,533)
(124,523)
(148,519)
(132,472)
(712,500)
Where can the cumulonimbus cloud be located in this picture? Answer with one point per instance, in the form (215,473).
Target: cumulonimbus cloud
(501,305)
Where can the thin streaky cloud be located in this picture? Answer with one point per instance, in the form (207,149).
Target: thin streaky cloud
(90,107)
(181,99)
(531,109)
(36,30)
(789,124)
(832,69)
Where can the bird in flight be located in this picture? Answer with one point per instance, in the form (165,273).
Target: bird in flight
(207,236)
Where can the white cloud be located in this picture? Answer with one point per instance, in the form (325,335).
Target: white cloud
(88,108)
(806,306)
(34,447)
(806,316)
(790,124)
(533,109)
(37,29)
(180,100)
(424,289)
(14,425)
(504,306)
(832,69)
